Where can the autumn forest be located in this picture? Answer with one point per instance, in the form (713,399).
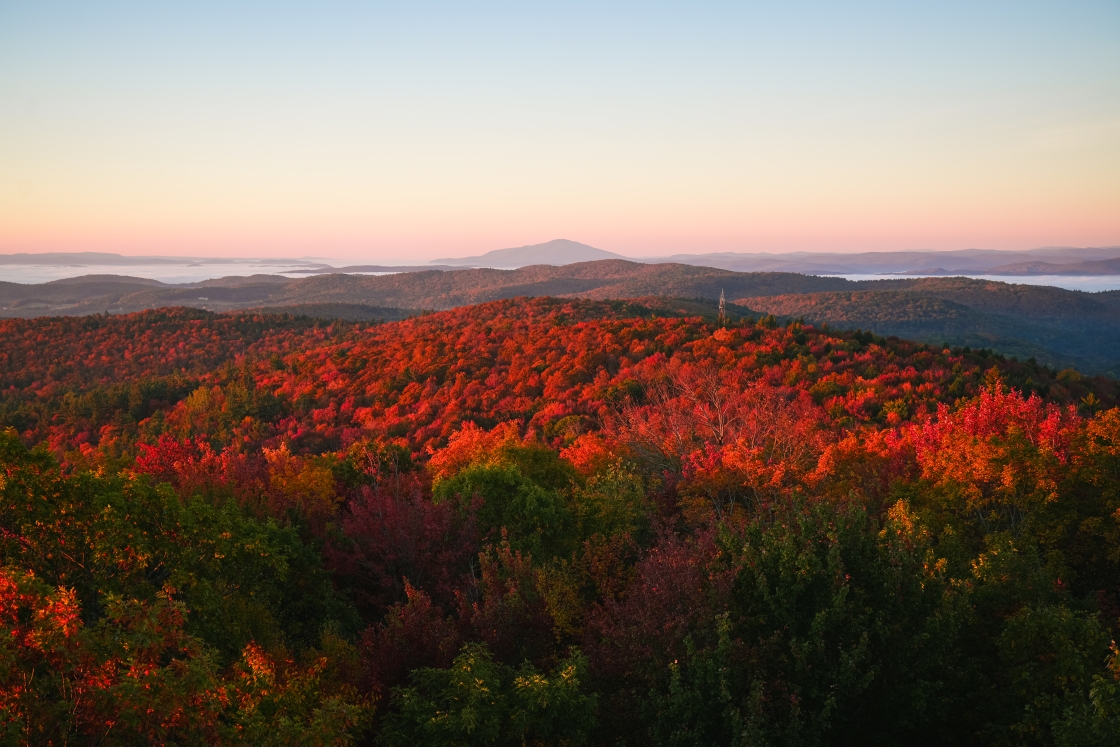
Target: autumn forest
(549,522)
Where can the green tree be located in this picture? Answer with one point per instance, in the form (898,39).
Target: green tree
(243,579)
(479,701)
(837,632)
(538,519)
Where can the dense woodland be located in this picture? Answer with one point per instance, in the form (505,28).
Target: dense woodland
(549,522)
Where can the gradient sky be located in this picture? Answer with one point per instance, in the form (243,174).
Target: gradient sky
(414,130)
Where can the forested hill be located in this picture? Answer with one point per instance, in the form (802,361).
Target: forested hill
(1057,327)
(549,521)
(1051,324)
(72,380)
(434,289)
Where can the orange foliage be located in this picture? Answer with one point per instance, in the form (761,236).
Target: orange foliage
(296,483)
(1003,451)
(470,446)
(589,453)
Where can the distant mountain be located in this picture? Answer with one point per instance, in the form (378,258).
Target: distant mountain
(863,263)
(1077,252)
(431,289)
(560,252)
(1059,327)
(555,252)
(1094,267)
(383,269)
(964,261)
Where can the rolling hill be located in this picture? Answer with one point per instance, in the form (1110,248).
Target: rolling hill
(1056,326)
(1053,325)
(1091,267)
(431,289)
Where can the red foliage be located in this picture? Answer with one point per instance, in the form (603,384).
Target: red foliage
(50,353)
(505,609)
(556,366)
(394,536)
(677,586)
(192,467)
(415,634)
(57,675)
(998,412)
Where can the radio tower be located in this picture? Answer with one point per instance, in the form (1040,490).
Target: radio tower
(722,308)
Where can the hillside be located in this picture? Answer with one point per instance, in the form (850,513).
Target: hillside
(1092,267)
(498,342)
(436,289)
(1056,326)
(1051,324)
(431,289)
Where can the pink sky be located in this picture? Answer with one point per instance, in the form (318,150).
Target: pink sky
(383,132)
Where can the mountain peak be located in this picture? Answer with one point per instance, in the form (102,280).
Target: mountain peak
(555,252)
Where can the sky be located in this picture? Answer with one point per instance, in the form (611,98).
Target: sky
(407,131)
